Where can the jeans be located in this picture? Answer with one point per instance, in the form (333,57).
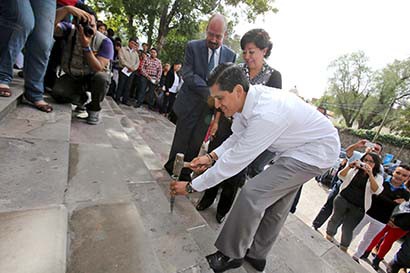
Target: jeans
(28,24)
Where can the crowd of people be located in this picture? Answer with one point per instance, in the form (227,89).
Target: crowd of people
(262,139)
(363,197)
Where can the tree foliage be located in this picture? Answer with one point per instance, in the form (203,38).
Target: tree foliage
(350,84)
(156,19)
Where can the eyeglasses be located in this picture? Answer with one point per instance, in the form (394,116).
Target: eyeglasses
(214,35)
(368,161)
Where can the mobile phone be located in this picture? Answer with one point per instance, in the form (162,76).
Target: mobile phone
(369,144)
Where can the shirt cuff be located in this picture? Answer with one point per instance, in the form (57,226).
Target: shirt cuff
(198,184)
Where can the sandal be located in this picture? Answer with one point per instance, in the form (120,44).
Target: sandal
(44,107)
(5,92)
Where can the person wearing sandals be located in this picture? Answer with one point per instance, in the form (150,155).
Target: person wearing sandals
(27,24)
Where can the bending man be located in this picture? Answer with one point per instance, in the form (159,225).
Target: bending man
(306,144)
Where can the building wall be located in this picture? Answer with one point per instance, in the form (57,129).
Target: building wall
(347,139)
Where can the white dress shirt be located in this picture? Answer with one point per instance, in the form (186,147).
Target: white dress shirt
(280,122)
(216,56)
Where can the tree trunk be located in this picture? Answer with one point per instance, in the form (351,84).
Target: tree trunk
(151,21)
(131,30)
(163,28)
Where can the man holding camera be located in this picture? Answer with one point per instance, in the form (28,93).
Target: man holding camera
(85,61)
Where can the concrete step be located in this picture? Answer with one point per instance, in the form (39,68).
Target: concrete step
(110,238)
(34,163)
(33,241)
(34,148)
(7,105)
(298,248)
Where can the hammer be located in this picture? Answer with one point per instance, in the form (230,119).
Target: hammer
(176,172)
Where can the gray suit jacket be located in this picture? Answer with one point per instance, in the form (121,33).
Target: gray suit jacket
(195,89)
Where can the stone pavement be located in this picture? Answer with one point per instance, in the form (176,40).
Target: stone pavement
(79,198)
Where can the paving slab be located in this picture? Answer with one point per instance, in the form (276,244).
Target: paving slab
(33,241)
(110,238)
(28,122)
(94,175)
(34,172)
(83,133)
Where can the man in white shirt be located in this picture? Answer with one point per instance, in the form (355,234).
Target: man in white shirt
(306,144)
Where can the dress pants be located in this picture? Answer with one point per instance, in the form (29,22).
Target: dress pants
(189,134)
(229,186)
(261,208)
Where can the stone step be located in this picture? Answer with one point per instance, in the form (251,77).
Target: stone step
(7,105)
(110,238)
(33,241)
(34,162)
(298,248)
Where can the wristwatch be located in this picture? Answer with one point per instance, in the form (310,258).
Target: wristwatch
(188,188)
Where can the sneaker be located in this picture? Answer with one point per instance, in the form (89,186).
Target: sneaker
(93,117)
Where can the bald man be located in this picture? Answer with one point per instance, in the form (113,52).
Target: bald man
(191,107)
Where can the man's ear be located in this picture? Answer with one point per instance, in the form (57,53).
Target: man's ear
(239,90)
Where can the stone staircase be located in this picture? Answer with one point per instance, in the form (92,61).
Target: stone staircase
(94,199)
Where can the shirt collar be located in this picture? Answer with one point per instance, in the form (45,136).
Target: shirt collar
(217,51)
(249,102)
(394,188)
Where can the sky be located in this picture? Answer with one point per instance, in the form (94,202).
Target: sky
(308,35)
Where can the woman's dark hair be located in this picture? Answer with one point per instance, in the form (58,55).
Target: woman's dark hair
(259,37)
(377,162)
(227,76)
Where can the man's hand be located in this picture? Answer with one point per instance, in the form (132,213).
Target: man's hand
(82,15)
(178,188)
(85,41)
(166,93)
(361,143)
(399,200)
(200,164)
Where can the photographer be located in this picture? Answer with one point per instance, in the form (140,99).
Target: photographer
(361,179)
(85,61)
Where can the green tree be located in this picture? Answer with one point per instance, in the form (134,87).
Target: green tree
(350,84)
(390,84)
(157,18)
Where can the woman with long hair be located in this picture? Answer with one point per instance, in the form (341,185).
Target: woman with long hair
(361,179)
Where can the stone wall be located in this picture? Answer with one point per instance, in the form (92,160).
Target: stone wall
(347,139)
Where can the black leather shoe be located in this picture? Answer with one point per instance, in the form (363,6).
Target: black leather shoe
(203,204)
(220,218)
(365,255)
(258,264)
(220,263)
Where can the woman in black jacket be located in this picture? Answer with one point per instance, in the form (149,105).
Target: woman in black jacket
(172,82)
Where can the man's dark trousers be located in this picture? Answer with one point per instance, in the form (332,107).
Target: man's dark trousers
(190,129)
(327,208)
(229,186)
